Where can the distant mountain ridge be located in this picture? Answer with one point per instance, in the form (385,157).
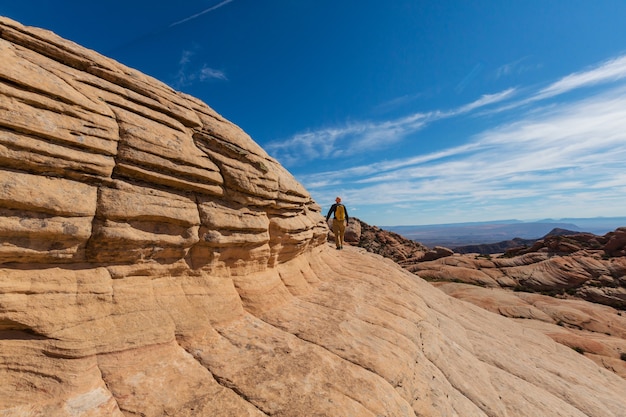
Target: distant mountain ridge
(505,245)
(453,235)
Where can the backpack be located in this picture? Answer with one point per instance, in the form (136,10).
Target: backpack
(340,212)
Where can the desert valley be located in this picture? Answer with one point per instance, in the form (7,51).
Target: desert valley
(156,261)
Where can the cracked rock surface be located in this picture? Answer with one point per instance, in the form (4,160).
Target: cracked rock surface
(155,261)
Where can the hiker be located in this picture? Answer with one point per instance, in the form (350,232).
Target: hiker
(340,220)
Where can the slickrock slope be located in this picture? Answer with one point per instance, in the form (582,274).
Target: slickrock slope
(581,272)
(154,261)
(596,331)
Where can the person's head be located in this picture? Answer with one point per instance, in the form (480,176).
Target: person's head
(338,199)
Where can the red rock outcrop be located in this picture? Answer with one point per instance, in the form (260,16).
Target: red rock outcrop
(580,271)
(391,245)
(155,261)
(556,266)
(580,280)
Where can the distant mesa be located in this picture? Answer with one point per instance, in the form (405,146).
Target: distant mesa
(509,245)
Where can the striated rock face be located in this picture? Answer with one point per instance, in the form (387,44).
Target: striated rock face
(557,265)
(598,332)
(103,165)
(154,261)
(579,280)
(580,271)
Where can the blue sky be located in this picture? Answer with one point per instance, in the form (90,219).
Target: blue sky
(415,112)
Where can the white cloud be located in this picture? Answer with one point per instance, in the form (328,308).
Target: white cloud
(366,136)
(185,58)
(608,71)
(555,159)
(397,102)
(592,122)
(508,69)
(338,142)
(485,100)
(515,68)
(477,69)
(188,74)
(207,73)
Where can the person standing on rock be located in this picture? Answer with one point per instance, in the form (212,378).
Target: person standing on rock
(340,220)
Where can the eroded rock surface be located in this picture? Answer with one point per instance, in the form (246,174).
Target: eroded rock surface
(580,272)
(595,331)
(103,165)
(557,285)
(155,261)
(383,242)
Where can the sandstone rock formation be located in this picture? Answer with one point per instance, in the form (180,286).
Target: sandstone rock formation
(586,266)
(582,265)
(154,261)
(576,271)
(382,242)
(581,271)
(596,331)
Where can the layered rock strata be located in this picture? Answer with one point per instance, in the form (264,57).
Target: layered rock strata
(576,273)
(155,261)
(585,273)
(103,165)
(598,332)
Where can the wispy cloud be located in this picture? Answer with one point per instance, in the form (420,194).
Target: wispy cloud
(336,142)
(366,136)
(195,16)
(397,102)
(382,171)
(188,74)
(612,70)
(469,78)
(515,68)
(207,73)
(609,71)
(556,156)
(485,100)
(509,68)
